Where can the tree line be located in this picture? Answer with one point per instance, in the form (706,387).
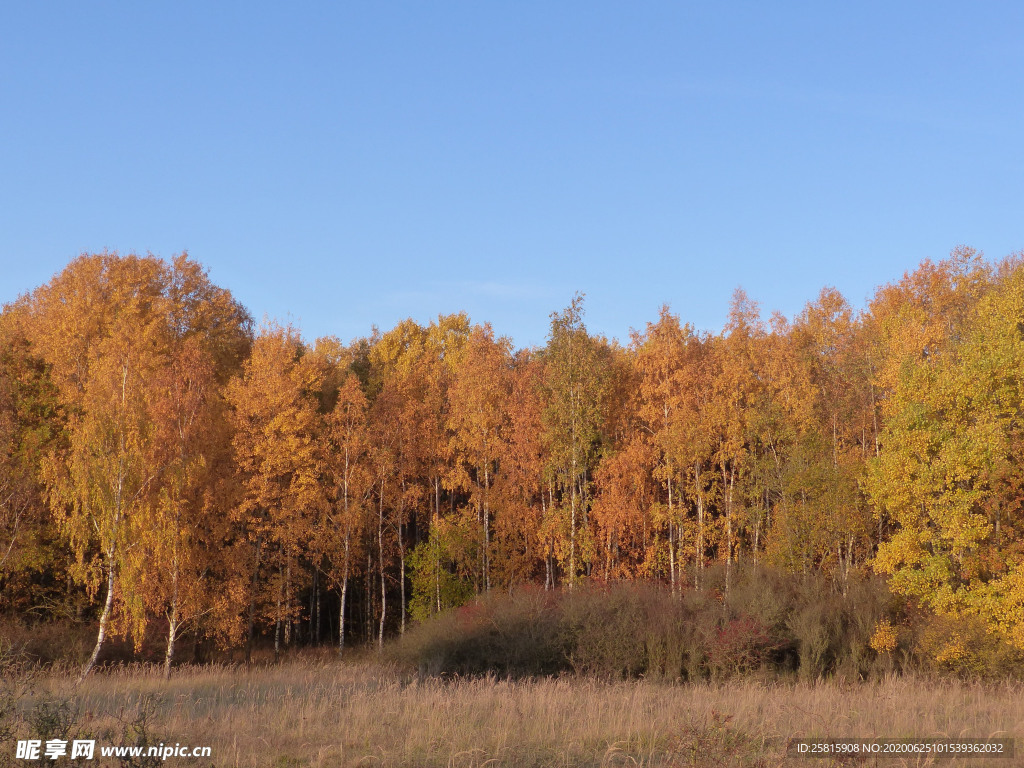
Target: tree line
(166,466)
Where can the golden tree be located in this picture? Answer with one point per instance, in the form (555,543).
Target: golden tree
(108,327)
(279,460)
(346,461)
(30,420)
(478,397)
(950,446)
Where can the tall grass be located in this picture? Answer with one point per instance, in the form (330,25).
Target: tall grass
(320,713)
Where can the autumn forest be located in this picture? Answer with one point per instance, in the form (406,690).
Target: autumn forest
(171,469)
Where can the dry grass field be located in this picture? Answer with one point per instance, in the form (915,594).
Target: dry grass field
(320,713)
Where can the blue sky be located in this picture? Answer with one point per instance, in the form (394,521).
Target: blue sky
(343,165)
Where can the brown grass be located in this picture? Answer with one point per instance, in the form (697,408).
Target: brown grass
(325,713)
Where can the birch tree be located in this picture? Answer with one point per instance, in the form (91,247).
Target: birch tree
(574,383)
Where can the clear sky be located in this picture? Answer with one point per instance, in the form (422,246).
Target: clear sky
(349,164)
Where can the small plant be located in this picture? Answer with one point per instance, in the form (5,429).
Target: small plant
(136,731)
(741,645)
(53,718)
(884,638)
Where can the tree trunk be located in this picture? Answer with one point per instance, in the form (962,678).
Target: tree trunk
(671,538)
(314,608)
(699,564)
(277,616)
(172,634)
(367,613)
(287,616)
(401,558)
(172,621)
(252,607)
(487,532)
(341,617)
(380,555)
(108,605)
(344,593)
(572,529)
(435,548)
(757,538)
(728,481)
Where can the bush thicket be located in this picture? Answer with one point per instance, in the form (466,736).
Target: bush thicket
(766,622)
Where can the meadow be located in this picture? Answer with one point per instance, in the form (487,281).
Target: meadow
(317,711)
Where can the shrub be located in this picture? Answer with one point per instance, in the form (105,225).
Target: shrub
(740,645)
(605,629)
(767,621)
(965,647)
(47,642)
(502,634)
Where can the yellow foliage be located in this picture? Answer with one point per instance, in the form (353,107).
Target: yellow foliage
(952,652)
(884,638)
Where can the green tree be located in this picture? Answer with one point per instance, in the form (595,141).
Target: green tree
(574,386)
